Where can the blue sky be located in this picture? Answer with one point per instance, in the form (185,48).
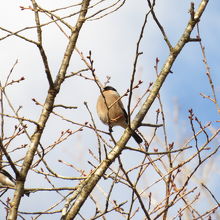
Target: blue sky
(112,41)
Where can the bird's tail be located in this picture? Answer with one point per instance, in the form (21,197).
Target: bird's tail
(27,193)
(137,138)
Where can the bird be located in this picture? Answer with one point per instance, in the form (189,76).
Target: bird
(6,180)
(114,114)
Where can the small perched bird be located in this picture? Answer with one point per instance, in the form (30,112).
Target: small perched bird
(7,180)
(114,114)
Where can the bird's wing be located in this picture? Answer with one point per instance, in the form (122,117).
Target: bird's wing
(5,173)
(123,109)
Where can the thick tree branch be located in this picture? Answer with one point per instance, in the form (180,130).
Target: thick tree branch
(87,185)
(47,109)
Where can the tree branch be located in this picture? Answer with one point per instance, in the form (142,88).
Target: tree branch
(47,109)
(88,185)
